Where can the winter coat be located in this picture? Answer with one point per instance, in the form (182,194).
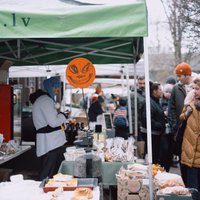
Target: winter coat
(94,110)
(190,154)
(176,103)
(140,104)
(164,102)
(45,115)
(157,117)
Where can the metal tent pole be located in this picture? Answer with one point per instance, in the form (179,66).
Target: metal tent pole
(129,100)
(148,113)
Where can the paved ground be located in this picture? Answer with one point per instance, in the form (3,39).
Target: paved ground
(175,170)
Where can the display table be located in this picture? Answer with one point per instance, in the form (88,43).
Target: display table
(21,150)
(109,169)
(30,190)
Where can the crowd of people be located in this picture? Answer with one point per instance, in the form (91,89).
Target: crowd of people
(175,119)
(175,122)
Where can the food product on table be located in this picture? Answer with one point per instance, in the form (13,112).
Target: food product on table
(82,194)
(156,168)
(165,179)
(61,180)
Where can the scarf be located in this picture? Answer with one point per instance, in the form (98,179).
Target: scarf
(197,104)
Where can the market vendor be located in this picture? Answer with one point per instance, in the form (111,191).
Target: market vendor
(49,125)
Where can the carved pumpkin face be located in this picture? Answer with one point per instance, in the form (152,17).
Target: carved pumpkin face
(80,73)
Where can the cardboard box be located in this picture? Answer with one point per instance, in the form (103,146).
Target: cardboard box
(132,189)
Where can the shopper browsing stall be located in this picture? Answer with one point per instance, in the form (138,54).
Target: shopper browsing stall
(120,119)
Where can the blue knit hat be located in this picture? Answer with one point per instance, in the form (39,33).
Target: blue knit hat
(49,84)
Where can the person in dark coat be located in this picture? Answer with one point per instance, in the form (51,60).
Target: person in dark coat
(95,109)
(157,120)
(165,158)
(140,95)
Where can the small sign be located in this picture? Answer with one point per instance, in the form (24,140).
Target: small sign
(80,73)
(108,121)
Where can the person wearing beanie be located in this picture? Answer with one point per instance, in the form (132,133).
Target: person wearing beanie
(183,69)
(170,80)
(183,72)
(50,138)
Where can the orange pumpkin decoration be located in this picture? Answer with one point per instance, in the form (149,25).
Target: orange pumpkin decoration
(80,73)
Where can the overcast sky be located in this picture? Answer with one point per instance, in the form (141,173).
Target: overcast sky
(158,29)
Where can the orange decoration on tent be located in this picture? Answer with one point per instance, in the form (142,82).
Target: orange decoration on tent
(80,73)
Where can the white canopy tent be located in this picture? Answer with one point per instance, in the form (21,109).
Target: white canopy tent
(106,70)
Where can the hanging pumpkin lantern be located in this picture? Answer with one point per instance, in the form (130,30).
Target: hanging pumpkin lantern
(80,73)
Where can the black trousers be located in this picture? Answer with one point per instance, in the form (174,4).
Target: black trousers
(122,132)
(50,162)
(155,146)
(166,151)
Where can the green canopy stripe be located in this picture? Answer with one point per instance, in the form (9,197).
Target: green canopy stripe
(127,20)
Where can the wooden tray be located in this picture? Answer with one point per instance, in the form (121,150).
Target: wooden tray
(82,182)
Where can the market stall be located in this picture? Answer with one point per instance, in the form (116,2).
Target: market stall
(108,33)
(55,32)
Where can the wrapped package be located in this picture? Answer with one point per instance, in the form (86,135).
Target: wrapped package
(165,179)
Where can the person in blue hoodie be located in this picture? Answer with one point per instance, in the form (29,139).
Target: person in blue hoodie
(48,122)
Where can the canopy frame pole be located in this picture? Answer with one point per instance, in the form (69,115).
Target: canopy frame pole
(92,53)
(135,90)
(135,52)
(122,79)
(70,48)
(18,49)
(10,48)
(148,117)
(135,104)
(64,93)
(85,109)
(129,100)
(70,98)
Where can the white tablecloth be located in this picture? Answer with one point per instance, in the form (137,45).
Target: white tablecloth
(30,190)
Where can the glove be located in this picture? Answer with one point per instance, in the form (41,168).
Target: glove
(66,116)
(188,111)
